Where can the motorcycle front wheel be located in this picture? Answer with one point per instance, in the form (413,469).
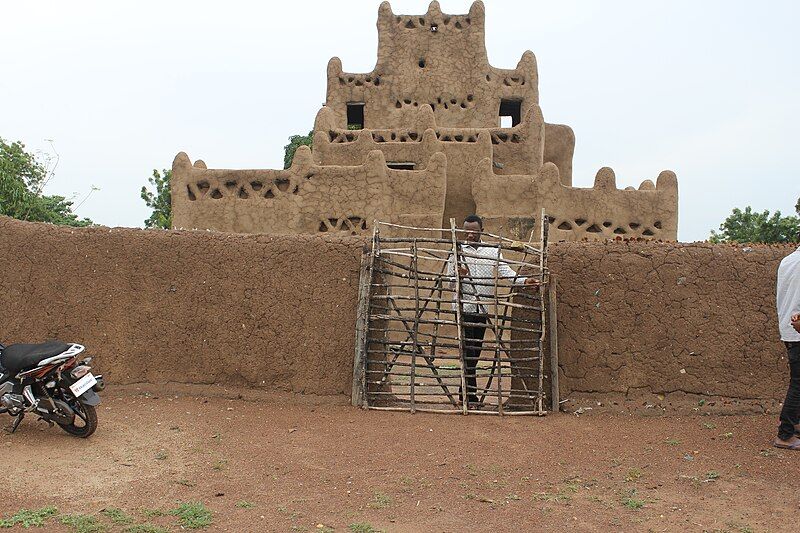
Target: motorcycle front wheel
(85,422)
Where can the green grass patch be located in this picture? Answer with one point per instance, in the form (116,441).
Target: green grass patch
(634,474)
(29,517)
(83,523)
(380,501)
(243,504)
(145,528)
(363,527)
(117,515)
(632,502)
(193,515)
(555,497)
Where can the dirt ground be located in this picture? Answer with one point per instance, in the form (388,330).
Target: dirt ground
(262,464)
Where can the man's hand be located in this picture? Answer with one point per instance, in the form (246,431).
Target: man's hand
(462,271)
(796,322)
(532,281)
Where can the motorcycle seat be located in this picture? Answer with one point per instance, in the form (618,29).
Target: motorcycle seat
(19,356)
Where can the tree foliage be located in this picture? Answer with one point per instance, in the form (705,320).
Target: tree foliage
(295,142)
(22,178)
(748,226)
(159,201)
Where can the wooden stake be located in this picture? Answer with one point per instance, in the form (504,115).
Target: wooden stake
(497,334)
(416,324)
(358,396)
(542,280)
(459,310)
(555,397)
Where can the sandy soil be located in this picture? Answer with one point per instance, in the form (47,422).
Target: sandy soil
(327,466)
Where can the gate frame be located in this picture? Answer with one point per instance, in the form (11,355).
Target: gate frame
(549,325)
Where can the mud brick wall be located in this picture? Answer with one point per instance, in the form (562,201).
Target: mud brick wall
(636,319)
(639,319)
(188,307)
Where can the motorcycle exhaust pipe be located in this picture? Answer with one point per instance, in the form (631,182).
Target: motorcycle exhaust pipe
(11,401)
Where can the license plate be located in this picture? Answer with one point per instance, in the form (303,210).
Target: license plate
(82,385)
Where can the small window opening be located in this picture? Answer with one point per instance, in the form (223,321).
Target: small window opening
(355,115)
(434,28)
(510,111)
(421,63)
(401,165)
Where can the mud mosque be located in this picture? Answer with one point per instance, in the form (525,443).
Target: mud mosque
(432,132)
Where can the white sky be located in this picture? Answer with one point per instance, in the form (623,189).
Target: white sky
(708,89)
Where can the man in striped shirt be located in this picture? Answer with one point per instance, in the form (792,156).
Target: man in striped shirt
(477,264)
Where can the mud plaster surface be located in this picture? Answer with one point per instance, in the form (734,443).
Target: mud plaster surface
(636,319)
(693,320)
(193,307)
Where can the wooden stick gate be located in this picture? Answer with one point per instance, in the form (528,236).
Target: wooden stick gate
(418,336)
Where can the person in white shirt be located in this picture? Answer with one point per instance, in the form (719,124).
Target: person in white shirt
(788,302)
(477,270)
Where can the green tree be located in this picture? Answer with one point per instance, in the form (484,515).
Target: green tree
(748,226)
(159,201)
(22,178)
(295,142)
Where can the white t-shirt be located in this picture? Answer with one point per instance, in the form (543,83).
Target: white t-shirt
(789,295)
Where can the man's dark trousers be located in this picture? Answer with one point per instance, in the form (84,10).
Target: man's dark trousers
(790,414)
(474,330)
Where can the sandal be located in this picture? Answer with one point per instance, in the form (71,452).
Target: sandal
(795,446)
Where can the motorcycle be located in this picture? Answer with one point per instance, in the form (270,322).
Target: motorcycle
(51,381)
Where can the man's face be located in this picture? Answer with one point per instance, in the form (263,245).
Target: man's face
(473,230)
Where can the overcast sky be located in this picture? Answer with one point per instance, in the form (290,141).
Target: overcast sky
(708,89)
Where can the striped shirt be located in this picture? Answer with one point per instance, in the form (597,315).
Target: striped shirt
(480,262)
